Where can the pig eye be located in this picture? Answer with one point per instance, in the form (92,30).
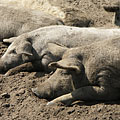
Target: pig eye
(13,51)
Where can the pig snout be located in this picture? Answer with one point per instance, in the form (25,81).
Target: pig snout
(43,91)
(2,67)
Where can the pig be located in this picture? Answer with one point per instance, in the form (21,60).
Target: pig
(15,21)
(115,8)
(87,73)
(32,46)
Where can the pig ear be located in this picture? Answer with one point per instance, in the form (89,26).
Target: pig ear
(10,40)
(25,48)
(68,64)
(26,51)
(56,49)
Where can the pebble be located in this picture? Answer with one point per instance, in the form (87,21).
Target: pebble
(71,111)
(5,95)
(6,105)
(20,92)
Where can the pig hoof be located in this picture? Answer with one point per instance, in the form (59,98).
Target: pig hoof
(9,73)
(6,74)
(50,103)
(35,91)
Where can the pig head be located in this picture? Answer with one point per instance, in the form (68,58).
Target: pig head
(16,54)
(63,80)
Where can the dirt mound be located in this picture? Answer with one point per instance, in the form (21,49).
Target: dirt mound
(18,103)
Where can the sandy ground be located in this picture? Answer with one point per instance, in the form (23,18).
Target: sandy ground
(18,103)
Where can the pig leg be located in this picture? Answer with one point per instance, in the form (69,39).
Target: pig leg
(20,68)
(26,67)
(87,93)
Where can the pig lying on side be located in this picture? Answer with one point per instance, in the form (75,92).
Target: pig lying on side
(14,22)
(31,47)
(85,73)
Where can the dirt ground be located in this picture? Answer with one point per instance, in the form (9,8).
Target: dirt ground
(18,103)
